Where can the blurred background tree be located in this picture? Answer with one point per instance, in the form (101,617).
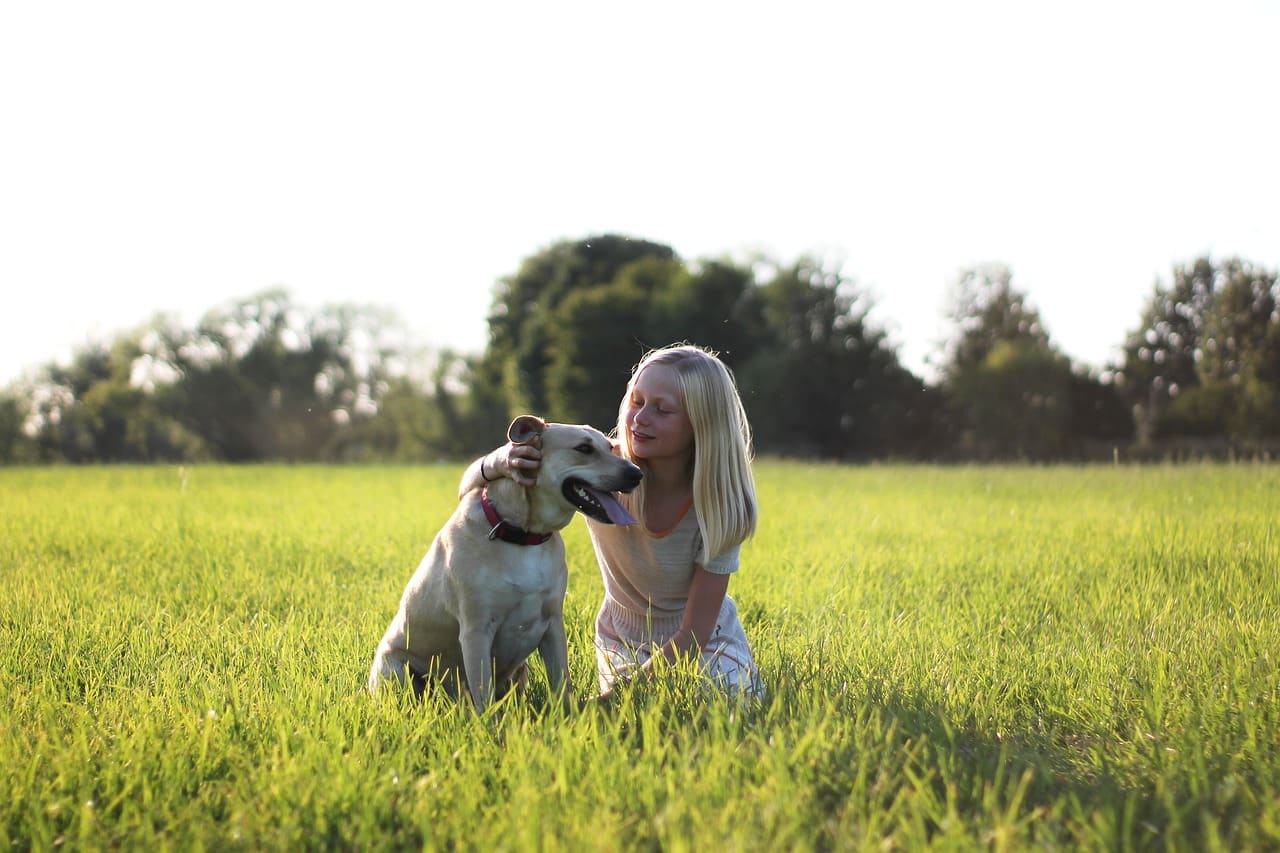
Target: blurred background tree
(823,379)
(986,310)
(1204,360)
(1013,393)
(524,319)
(266,378)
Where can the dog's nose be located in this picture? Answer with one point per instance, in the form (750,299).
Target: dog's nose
(633,477)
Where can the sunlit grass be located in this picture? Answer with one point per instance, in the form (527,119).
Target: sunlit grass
(1007,657)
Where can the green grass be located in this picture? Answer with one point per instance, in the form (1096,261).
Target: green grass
(956,659)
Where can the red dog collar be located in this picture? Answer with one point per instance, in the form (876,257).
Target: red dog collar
(505,530)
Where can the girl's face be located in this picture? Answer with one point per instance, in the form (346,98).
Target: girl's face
(657,423)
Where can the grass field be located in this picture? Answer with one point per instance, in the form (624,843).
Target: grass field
(956,658)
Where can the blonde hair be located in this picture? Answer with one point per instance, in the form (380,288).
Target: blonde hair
(724,490)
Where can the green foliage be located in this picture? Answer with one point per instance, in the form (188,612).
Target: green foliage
(1210,339)
(817,378)
(266,379)
(594,346)
(1202,411)
(451,419)
(1016,401)
(183,651)
(1236,327)
(824,380)
(258,379)
(261,380)
(1014,395)
(602,332)
(524,324)
(1098,412)
(716,304)
(12,419)
(986,310)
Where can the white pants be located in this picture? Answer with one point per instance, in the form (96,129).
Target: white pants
(626,639)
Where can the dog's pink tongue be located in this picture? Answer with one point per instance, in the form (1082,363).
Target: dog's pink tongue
(617,512)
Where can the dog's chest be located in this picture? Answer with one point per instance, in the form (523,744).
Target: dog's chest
(521,603)
(504,583)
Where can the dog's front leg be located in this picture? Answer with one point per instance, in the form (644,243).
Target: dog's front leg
(554,650)
(477,659)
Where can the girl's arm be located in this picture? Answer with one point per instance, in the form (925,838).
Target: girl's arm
(706,595)
(519,462)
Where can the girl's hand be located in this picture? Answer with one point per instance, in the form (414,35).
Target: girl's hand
(625,685)
(518,462)
(606,699)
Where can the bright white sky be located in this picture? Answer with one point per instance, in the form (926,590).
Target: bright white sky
(169,157)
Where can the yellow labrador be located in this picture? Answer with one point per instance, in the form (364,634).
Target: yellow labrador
(491,588)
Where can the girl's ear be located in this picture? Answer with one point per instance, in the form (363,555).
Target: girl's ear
(525,429)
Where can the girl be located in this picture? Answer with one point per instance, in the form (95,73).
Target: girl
(666,579)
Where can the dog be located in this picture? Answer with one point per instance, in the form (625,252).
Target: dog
(491,587)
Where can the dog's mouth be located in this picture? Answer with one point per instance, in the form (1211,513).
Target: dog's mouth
(601,506)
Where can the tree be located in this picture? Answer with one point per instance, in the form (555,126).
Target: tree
(1012,390)
(426,423)
(523,321)
(987,309)
(1100,420)
(89,410)
(1205,357)
(594,345)
(716,304)
(13,418)
(816,376)
(1239,317)
(263,378)
(823,381)
(602,332)
(256,379)
(1016,402)
(1160,355)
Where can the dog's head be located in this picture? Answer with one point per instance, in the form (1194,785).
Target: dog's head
(580,463)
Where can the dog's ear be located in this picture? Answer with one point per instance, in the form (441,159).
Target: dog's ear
(525,429)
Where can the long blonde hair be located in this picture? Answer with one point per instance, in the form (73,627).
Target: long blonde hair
(724,489)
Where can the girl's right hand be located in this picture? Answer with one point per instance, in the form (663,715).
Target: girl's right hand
(518,462)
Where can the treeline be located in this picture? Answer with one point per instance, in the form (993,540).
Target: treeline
(267,379)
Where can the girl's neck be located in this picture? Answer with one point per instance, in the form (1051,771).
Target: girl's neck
(669,476)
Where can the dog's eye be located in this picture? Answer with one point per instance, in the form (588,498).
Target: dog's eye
(586,448)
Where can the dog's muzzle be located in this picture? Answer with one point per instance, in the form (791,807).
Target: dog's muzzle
(593,503)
